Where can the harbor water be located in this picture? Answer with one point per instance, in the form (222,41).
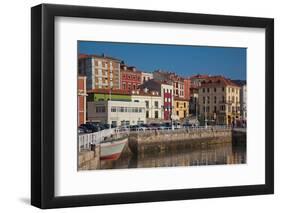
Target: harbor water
(209,154)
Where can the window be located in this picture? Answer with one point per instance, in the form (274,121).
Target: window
(215,109)
(204,100)
(177,113)
(177,104)
(121,109)
(156,104)
(184,104)
(222,89)
(208,90)
(156,114)
(100,109)
(208,98)
(113,109)
(203,90)
(223,99)
(215,89)
(146,104)
(147,114)
(127,123)
(140,122)
(215,99)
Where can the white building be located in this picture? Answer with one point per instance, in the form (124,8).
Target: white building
(146,76)
(119,113)
(153,103)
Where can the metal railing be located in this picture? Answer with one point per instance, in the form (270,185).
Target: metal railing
(85,140)
(170,129)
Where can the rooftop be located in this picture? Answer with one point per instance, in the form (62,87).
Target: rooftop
(103,56)
(217,80)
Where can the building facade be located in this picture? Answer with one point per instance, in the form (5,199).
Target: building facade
(119,113)
(153,103)
(171,78)
(166,92)
(219,101)
(243,98)
(82,94)
(187,84)
(102,72)
(195,83)
(146,76)
(168,99)
(181,107)
(130,78)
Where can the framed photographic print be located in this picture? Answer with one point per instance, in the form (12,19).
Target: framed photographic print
(139,106)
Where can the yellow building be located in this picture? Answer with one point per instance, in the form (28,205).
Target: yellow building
(180,107)
(219,101)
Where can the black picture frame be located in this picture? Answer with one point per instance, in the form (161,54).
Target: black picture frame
(43,105)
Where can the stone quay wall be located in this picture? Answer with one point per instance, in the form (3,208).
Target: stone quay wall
(161,140)
(89,159)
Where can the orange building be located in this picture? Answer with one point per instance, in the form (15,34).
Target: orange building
(81,93)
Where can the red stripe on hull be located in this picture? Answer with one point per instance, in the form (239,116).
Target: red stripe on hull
(111,157)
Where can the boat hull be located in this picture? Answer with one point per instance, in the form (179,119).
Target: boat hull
(112,150)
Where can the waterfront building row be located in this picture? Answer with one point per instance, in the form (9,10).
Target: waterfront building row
(164,94)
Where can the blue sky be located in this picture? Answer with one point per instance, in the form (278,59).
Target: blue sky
(181,59)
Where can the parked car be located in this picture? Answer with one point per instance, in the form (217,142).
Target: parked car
(81,130)
(154,126)
(97,124)
(90,127)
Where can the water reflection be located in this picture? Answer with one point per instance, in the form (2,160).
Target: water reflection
(215,154)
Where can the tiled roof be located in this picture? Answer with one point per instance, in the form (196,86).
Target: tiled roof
(198,76)
(81,56)
(217,80)
(143,93)
(107,91)
(176,98)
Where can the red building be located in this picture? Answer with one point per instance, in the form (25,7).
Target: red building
(130,78)
(82,94)
(187,83)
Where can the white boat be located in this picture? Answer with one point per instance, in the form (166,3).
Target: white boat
(111,150)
